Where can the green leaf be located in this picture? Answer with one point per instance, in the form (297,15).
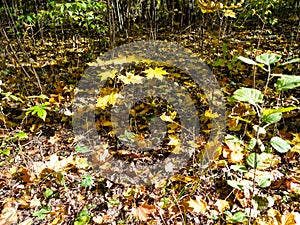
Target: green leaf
(5,152)
(268,59)
(239,168)
(238,217)
(21,135)
(259,130)
(252,160)
(264,182)
(247,60)
(48,193)
(229,66)
(83,218)
(252,143)
(272,118)
(224,49)
(87,181)
(249,95)
(235,184)
(42,113)
(282,110)
(42,213)
(82,149)
(291,61)
(287,82)
(218,62)
(29,18)
(280,145)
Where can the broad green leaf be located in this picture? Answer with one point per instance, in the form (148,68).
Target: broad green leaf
(280,145)
(268,59)
(272,118)
(235,184)
(267,112)
(218,62)
(48,193)
(291,61)
(264,182)
(42,213)
(259,130)
(240,168)
(249,95)
(238,217)
(247,60)
(42,113)
(252,143)
(287,82)
(252,160)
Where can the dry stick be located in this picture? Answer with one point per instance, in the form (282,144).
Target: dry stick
(21,46)
(14,53)
(19,62)
(38,22)
(258,44)
(13,26)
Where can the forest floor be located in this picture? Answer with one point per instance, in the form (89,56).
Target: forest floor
(46,179)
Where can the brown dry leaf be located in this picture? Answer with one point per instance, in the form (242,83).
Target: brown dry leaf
(27,222)
(52,140)
(54,164)
(268,160)
(233,151)
(258,174)
(9,214)
(293,187)
(243,197)
(233,124)
(58,220)
(198,205)
(288,219)
(181,178)
(143,211)
(274,216)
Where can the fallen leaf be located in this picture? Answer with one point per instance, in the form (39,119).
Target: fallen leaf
(143,211)
(9,214)
(27,222)
(198,205)
(222,205)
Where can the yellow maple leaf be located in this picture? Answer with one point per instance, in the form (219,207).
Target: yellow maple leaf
(170,118)
(107,74)
(174,140)
(130,78)
(229,13)
(158,73)
(103,102)
(210,115)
